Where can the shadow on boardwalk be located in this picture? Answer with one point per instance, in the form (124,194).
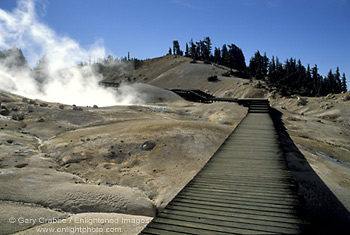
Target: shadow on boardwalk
(321,208)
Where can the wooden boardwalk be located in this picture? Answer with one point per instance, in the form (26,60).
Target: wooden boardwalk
(245,188)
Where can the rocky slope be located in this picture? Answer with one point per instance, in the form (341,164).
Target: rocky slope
(320,127)
(127,162)
(60,160)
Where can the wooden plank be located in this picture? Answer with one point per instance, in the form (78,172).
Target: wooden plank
(238,205)
(275,220)
(237,221)
(245,188)
(201,228)
(213,222)
(290,218)
(273,201)
(241,201)
(244,193)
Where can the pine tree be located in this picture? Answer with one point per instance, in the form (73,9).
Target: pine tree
(317,81)
(206,49)
(272,73)
(224,55)
(343,83)
(329,82)
(176,48)
(337,82)
(309,84)
(193,50)
(258,66)
(265,63)
(187,53)
(236,58)
(301,83)
(199,50)
(217,55)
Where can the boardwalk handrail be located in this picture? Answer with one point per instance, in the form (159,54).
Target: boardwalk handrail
(203,97)
(109,84)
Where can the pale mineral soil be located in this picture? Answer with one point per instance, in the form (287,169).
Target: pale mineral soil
(122,162)
(321,131)
(126,162)
(320,128)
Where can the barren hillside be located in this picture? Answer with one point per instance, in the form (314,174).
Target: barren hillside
(66,161)
(177,72)
(319,126)
(62,161)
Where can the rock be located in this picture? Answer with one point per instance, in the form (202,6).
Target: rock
(15,109)
(53,189)
(346,97)
(73,159)
(29,212)
(4,111)
(330,96)
(294,119)
(21,165)
(41,119)
(77,108)
(25,100)
(327,106)
(33,102)
(302,100)
(44,105)
(18,117)
(148,145)
(30,109)
(107,166)
(61,106)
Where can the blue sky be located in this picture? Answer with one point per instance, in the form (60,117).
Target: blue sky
(316,31)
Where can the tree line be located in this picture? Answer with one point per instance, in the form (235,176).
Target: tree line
(228,55)
(289,78)
(293,78)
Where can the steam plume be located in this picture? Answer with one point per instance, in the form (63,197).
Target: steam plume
(63,81)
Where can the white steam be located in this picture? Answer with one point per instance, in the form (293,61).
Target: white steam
(63,81)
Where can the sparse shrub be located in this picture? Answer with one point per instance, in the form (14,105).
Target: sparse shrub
(213,79)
